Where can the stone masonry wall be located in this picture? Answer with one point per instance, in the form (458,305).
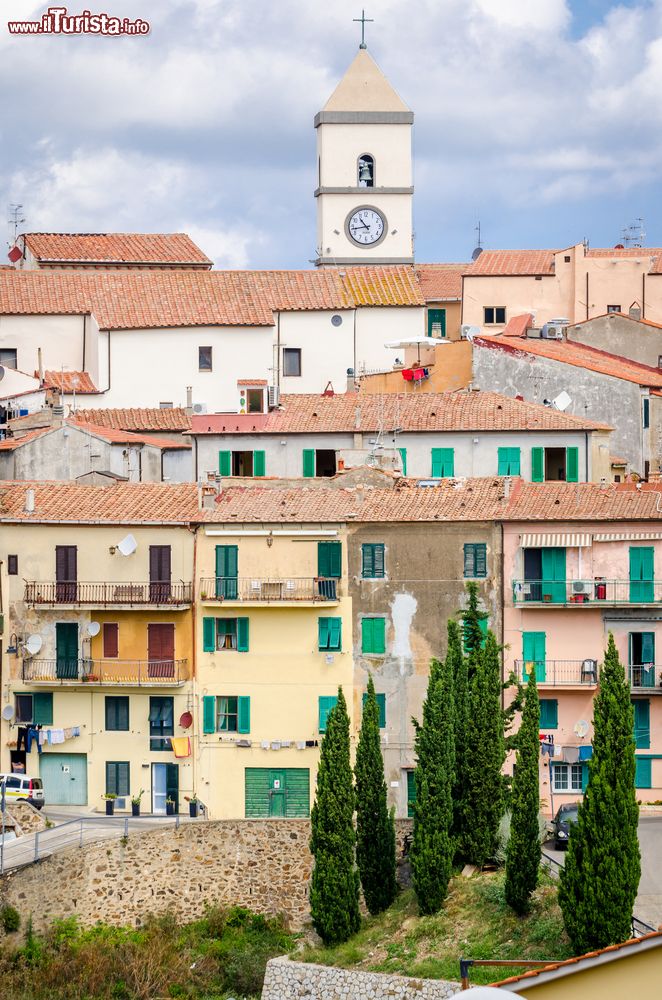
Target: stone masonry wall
(26,817)
(287,980)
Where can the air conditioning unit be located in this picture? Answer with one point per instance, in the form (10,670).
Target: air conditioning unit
(199,408)
(273,397)
(468,332)
(580,587)
(550,332)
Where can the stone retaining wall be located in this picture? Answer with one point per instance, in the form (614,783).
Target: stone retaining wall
(288,980)
(26,818)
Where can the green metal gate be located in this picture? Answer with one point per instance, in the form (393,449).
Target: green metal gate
(65,778)
(272,792)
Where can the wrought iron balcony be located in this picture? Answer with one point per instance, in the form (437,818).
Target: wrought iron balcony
(645,677)
(107,672)
(577,593)
(253,590)
(559,673)
(101,595)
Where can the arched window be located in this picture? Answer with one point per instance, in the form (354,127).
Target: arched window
(366,170)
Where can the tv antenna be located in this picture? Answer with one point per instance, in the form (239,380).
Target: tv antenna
(634,234)
(16,219)
(479,244)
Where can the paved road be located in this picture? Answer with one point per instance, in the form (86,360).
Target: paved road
(648,906)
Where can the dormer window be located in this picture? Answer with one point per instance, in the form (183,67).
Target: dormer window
(366,171)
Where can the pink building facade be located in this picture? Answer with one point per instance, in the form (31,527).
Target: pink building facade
(566,587)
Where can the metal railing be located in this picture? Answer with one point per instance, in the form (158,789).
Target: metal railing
(558,672)
(107,594)
(157,673)
(592,592)
(257,590)
(645,676)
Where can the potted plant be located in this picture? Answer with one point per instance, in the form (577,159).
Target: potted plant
(110,803)
(135,802)
(193,806)
(170,807)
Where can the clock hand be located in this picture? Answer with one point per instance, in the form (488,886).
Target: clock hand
(364,225)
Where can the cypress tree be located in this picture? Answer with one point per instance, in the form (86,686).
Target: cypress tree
(473,637)
(334,888)
(484,756)
(600,877)
(375,826)
(432,845)
(523,853)
(459,670)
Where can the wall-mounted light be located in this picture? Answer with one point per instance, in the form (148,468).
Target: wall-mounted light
(270,540)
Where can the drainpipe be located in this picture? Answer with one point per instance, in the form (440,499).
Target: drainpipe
(587,295)
(643,295)
(195,740)
(277,366)
(501,605)
(586,455)
(356,371)
(84,337)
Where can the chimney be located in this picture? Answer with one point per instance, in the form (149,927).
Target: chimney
(352,384)
(29,500)
(40,363)
(506,487)
(189,400)
(357,418)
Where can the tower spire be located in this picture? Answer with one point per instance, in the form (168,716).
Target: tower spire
(363,20)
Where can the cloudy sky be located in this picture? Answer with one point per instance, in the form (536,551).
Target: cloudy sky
(541,118)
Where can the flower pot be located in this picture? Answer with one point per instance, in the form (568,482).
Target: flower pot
(135,808)
(170,808)
(110,807)
(193,809)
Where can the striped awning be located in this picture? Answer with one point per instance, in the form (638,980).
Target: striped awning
(626,536)
(564,540)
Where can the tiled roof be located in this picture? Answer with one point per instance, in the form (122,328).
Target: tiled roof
(641,252)
(512,262)
(584,502)
(128,300)
(439,282)
(518,325)
(138,418)
(116,248)
(69,382)
(251,381)
(429,411)
(579,355)
(116,436)
(570,964)
(129,503)
(10,444)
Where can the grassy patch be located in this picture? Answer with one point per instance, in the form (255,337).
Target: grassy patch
(474,923)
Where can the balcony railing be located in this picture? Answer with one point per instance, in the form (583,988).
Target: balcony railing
(249,590)
(572,593)
(107,594)
(557,673)
(138,673)
(645,677)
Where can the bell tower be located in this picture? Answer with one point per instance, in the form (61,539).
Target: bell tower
(364,186)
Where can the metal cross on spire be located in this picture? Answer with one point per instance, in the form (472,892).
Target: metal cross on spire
(363,20)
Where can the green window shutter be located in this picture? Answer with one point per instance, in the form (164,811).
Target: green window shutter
(42,709)
(381,705)
(481,559)
(329,559)
(443,463)
(642,723)
(504,461)
(403,456)
(308,463)
(515,461)
(549,713)
(509,462)
(259,463)
(335,633)
(648,647)
(475,559)
(572,465)
(325,704)
(534,652)
(227,560)
(225,463)
(373,635)
(208,713)
(537,465)
(242,635)
(243,715)
(642,774)
(323,633)
(411,793)
(208,635)
(436,463)
(372,561)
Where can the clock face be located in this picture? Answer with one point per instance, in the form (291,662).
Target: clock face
(366,226)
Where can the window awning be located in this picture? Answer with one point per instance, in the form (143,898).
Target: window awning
(567,540)
(626,536)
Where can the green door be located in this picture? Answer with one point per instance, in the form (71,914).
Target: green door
(66,650)
(642,574)
(172,783)
(227,561)
(276,793)
(436,322)
(642,723)
(270,792)
(642,662)
(553,575)
(533,654)
(65,778)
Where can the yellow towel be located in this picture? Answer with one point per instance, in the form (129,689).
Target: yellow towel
(181,746)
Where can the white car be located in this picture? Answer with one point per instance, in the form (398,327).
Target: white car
(20,788)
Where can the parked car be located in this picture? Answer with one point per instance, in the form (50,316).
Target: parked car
(20,788)
(565,817)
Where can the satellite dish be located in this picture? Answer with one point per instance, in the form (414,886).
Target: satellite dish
(562,401)
(93,628)
(32,645)
(2,372)
(477,252)
(127,546)
(8,713)
(581,728)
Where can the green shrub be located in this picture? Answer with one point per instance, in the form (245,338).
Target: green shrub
(10,919)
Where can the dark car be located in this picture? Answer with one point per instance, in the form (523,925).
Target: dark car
(566,816)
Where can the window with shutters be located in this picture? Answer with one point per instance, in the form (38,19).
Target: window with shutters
(224,634)
(34,708)
(373,636)
(319,462)
(117,714)
(372,561)
(381,705)
(643,772)
(161,723)
(403,457)
(411,793)
(324,705)
(329,559)
(330,633)
(227,714)
(642,723)
(443,463)
(483,624)
(475,559)
(117,778)
(111,631)
(549,713)
(437,323)
(555,465)
(508,462)
(242,463)
(494,315)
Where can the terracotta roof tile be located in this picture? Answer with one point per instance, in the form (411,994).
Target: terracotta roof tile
(116,436)
(10,444)
(518,325)
(114,248)
(138,418)
(251,381)
(430,411)
(641,252)
(129,503)
(439,282)
(578,355)
(513,262)
(69,382)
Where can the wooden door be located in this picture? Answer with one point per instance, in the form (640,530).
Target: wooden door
(161,650)
(159,574)
(66,573)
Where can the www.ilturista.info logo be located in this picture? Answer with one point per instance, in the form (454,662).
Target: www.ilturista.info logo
(56,21)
